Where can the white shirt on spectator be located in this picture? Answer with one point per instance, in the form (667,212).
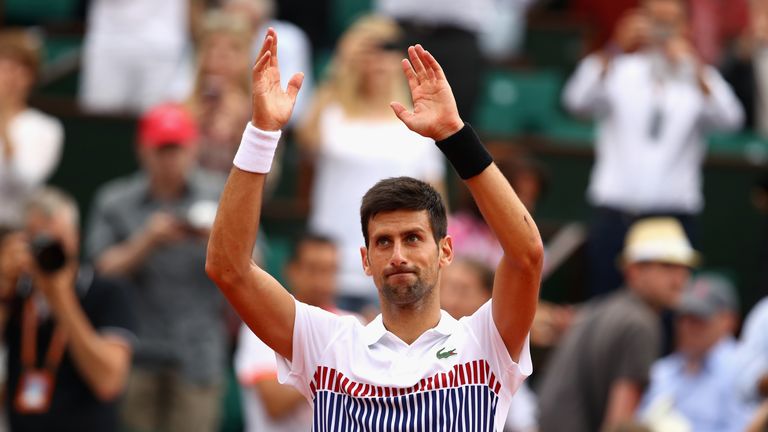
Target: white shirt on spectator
(37,143)
(255,361)
(354,155)
(753,353)
(366,377)
(469,15)
(633,171)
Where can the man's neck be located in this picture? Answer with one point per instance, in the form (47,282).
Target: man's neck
(165,192)
(408,323)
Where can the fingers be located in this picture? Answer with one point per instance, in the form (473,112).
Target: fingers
(422,53)
(418,66)
(294,85)
(262,62)
(433,65)
(273,46)
(402,113)
(413,81)
(269,39)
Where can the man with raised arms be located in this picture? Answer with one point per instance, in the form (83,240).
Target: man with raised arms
(414,367)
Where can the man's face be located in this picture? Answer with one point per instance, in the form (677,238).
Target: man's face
(168,164)
(403,256)
(661,284)
(697,335)
(461,290)
(312,274)
(667,18)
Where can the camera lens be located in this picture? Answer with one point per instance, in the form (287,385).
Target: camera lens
(49,253)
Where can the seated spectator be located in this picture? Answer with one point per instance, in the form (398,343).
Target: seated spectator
(356,140)
(465,286)
(268,405)
(752,384)
(69,332)
(132,53)
(596,375)
(697,381)
(221,97)
(295,49)
(151,229)
(30,141)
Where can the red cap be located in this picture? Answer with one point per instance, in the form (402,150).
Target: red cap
(167,124)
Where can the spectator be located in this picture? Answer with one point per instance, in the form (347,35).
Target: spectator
(356,141)
(697,380)
(596,375)
(30,141)
(295,49)
(220,99)
(151,229)
(268,405)
(69,332)
(464,287)
(133,51)
(451,29)
(654,101)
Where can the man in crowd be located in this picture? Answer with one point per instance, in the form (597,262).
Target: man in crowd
(30,141)
(151,229)
(270,406)
(597,373)
(69,333)
(412,358)
(697,380)
(654,101)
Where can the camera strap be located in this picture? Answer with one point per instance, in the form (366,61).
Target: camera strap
(35,386)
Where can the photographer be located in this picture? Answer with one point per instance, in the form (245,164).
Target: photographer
(151,230)
(654,101)
(69,333)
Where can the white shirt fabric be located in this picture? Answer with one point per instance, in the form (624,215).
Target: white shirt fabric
(634,172)
(455,376)
(470,15)
(37,144)
(295,56)
(255,361)
(354,155)
(753,353)
(133,53)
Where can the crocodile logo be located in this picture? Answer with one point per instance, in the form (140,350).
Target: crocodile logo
(444,355)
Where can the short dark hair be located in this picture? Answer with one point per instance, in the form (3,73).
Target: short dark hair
(482,270)
(404,193)
(305,238)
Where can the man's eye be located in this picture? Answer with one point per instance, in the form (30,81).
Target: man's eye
(382,242)
(412,238)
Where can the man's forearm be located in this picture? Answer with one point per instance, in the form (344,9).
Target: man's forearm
(103,364)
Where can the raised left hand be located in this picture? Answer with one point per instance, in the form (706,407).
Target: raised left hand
(434,114)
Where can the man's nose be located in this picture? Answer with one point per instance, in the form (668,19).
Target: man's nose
(397,258)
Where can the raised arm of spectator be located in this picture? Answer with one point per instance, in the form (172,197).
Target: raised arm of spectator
(264,305)
(516,286)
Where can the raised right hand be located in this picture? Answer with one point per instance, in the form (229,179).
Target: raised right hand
(163,228)
(15,260)
(272,106)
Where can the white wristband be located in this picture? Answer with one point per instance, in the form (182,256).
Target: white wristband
(257,149)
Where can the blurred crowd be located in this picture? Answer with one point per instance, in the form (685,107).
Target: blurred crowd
(109,321)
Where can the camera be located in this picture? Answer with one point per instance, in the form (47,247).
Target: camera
(48,253)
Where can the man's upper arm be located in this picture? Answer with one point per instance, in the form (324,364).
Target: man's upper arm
(515,298)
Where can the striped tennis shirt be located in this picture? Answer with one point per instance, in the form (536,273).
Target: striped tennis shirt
(457,376)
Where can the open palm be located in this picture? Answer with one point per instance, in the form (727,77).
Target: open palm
(434,112)
(272,106)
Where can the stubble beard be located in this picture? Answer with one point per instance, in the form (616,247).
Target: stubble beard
(411,294)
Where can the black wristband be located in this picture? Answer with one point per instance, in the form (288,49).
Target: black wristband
(466,152)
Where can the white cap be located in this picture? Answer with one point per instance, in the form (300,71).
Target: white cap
(659,239)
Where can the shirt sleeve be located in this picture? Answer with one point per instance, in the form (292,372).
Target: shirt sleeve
(637,351)
(722,110)
(313,331)
(482,326)
(752,356)
(584,93)
(39,140)
(110,310)
(254,360)
(100,233)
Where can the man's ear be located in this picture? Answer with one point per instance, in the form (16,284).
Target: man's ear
(366,262)
(445,247)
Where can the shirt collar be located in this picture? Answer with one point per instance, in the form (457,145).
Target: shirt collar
(375,330)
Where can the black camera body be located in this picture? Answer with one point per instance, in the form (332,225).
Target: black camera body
(49,253)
